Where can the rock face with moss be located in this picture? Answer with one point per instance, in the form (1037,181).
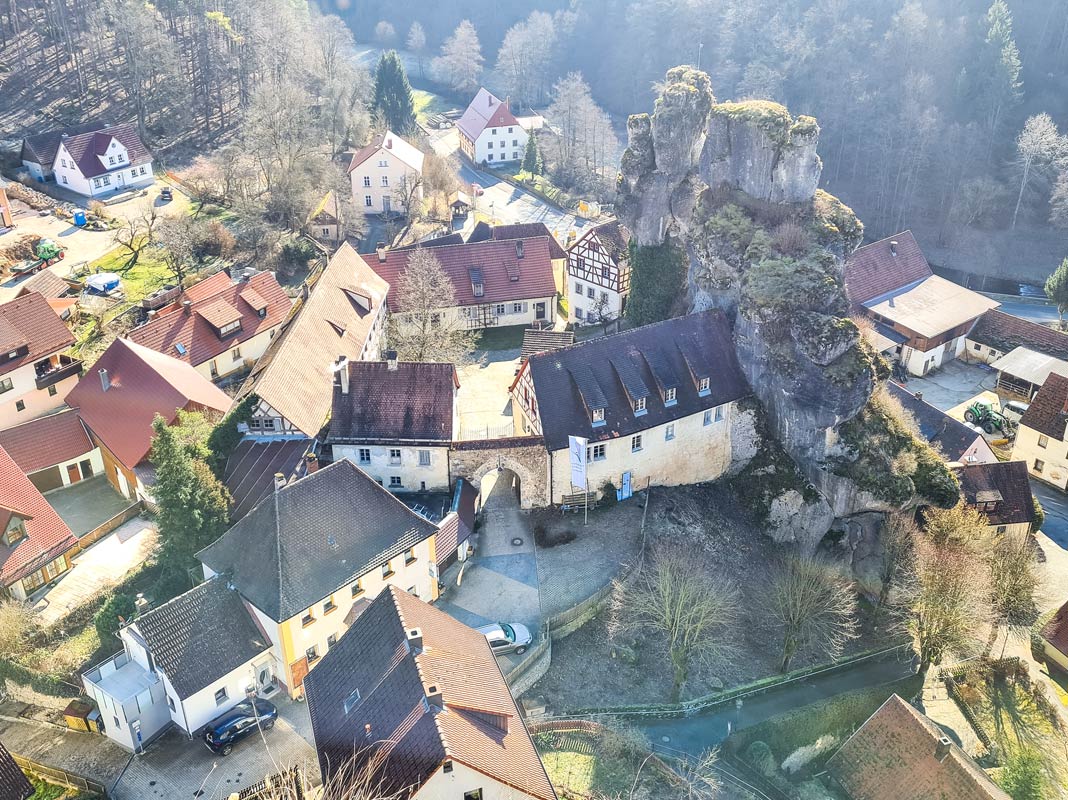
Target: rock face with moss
(733,187)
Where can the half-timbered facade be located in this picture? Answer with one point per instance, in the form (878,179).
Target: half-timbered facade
(598,274)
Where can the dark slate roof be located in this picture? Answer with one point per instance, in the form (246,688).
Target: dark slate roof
(437,241)
(593,374)
(13,783)
(484,232)
(252,465)
(201,636)
(1005,478)
(874,270)
(312,537)
(952,436)
(1004,332)
(41,148)
(86,148)
(474,721)
(542,340)
(1048,411)
(414,402)
(613,236)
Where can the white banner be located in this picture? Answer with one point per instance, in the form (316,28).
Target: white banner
(577,447)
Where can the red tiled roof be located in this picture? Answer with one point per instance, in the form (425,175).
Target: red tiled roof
(212,307)
(1006,478)
(519,230)
(485,111)
(893,756)
(874,270)
(493,258)
(46,441)
(30,321)
(47,536)
(1056,630)
(1048,411)
(397,146)
(47,283)
(143,383)
(1004,332)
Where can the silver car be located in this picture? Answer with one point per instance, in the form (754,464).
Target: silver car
(507,637)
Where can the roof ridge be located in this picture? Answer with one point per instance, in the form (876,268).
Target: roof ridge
(161,606)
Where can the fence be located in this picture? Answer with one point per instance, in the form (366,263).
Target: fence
(471,432)
(102,530)
(61,776)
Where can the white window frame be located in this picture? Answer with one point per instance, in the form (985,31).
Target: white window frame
(669,431)
(636,443)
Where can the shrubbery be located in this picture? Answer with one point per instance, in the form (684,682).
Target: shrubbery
(107,619)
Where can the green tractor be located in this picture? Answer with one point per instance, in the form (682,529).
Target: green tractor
(983,415)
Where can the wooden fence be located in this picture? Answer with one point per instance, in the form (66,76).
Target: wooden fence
(102,530)
(71,780)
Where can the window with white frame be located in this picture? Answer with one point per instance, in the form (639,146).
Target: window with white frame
(579,313)
(669,396)
(703,386)
(367,181)
(578,288)
(596,452)
(424,458)
(719,414)
(395,482)
(635,443)
(517,308)
(385,180)
(591,293)
(383,162)
(365,455)
(669,432)
(598,416)
(639,405)
(499,310)
(708,417)
(367,200)
(394,456)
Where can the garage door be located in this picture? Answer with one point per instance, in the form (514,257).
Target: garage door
(46,479)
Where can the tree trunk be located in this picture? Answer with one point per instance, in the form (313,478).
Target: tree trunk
(1019,197)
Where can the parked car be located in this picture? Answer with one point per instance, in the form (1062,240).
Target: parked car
(477,190)
(1014,410)
(507,637)
(223,732)
(166,193)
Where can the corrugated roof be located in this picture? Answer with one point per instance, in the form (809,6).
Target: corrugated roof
(373,677)
(1031,366)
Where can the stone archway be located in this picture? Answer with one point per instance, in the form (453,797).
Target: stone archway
(525,456)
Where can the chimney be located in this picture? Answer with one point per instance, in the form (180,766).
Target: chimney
(391,360)
(304,291)
(279,481)
(187,306)
(893,248)
(341,367)
(943,747)
(389,143)
(518,248)
(105,381)
(380,248)
(140,604)
(367,730)
(918,395)
(433,695)
(311,462)
(415,639)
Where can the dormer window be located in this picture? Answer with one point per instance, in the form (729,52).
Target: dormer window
(16,531)
(703,387)
(639,406)
(230,327)
(478,289)
(669,396)
(598,416)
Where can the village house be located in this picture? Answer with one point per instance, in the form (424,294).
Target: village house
(598,274)
(7,219)
(387,175)
(256,461)
(900,754)
(53,451)
(14,785)
(996,333)
(489,131)
(1022,371)
(183,663)
(1040,438)
(1054,636)
(396,421)
(416,699)
(654,404)
(1002,492)
(344,314)
(308,559)
(36,543)
(955,440)
(483,232)
(35,373)
(218,326)
(90,163)
(925,316)
(496,283)
(122,394)
(324,222)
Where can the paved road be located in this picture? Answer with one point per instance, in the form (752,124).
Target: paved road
(1055,504)
(698,734)
(1040,312)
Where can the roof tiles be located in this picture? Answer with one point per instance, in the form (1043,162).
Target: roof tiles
(414,402)
(875,269)
(46,441)
(29,322)
(1048,411)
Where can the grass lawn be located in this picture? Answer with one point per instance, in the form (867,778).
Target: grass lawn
(1007,712)
(46,791)
(213,212)
(578,767)
(507,338)
(838,717)
(427,103)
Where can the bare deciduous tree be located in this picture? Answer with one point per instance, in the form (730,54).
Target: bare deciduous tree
(135,233)
(680,602)
(1013,580)
(1038,144)
(460,62)
(898,538)
(416,43)
(18,623)
(424,326)
(814,607)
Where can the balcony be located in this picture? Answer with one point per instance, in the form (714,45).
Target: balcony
(50,373)
(120,678)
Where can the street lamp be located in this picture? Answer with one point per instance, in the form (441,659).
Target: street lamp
(493,217)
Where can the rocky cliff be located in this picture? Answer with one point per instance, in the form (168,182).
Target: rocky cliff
(733,188)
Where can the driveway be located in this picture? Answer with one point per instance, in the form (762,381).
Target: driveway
(500,583)
(953,383)
(104,564)
(484,403)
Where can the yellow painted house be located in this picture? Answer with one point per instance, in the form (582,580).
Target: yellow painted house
(308,560)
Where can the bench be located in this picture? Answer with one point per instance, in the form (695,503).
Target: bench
(576,501)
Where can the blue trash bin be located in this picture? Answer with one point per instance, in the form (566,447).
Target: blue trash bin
(79,218)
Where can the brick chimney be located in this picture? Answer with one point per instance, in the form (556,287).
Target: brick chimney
(311,463)
(279,481)
(391,360)
(187,306)
(105,381)
(380,249)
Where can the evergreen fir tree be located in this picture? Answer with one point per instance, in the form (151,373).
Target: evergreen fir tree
(532,156)
(1057,289)
(393,94)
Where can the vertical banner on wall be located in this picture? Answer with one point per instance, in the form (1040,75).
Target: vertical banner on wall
(577,450)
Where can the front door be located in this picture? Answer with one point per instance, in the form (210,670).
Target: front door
(73,475)
(387,205)
(264,677)
(539,311)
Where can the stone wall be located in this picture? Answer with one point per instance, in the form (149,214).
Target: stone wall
(524,455)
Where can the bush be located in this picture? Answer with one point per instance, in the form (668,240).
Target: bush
(759,755)
(623,740)
(608,493)
(18,624)
(547,537)
(295,255)
(98,210)
(107,620)
(172,582)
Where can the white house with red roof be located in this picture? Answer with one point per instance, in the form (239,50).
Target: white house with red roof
(34,540)
(490,132)
(218,326)
(91,163)
(386,175)
(496,283)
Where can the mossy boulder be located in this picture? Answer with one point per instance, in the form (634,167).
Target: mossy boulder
(823,338)
(772,118)
(837,227)
(680,116)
